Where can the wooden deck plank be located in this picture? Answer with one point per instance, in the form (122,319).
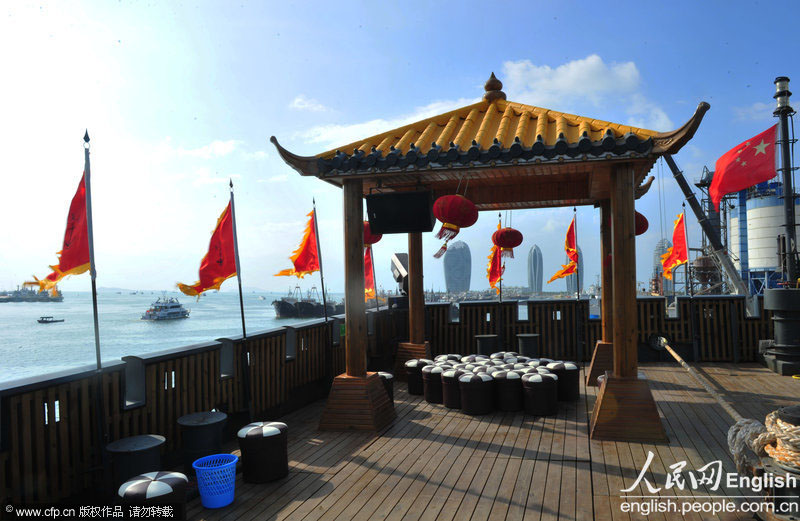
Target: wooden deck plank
(436,463)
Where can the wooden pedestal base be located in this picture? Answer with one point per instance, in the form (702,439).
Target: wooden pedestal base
(625,411)
(407,351)
(357,403)
(602,361)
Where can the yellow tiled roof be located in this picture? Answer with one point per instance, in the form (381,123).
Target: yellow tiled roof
(486,121)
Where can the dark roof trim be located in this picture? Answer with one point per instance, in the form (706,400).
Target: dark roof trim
(671,142)
(375,161)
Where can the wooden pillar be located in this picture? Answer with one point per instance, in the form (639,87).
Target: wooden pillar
(416,290)
(607,278)
(416,347)
(603,357)
(624,409)
(355,316)
(357,399)
(623,241)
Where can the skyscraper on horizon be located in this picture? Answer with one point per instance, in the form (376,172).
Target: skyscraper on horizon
(457,267)
(535,273)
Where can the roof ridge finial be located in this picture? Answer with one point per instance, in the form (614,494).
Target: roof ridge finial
(493,89)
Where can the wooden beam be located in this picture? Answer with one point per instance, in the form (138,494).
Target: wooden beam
(623,241)
(355,317)
(607,281)
(602,357)
(416,291)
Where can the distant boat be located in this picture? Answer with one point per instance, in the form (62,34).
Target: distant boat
(166,309)
(295,306)
(49,320)
(26,294)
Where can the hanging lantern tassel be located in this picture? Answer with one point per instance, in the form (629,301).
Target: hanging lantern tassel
(455,212)
(447,231)
(507,239)
(441,251)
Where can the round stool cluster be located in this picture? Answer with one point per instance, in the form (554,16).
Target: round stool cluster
(504,381)
(265,455)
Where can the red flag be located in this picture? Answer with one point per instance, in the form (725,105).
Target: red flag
(73,258)
(219,264)
(369,274)
(745,165)
(494,271)
(305,258)
(679,252)
(571,247)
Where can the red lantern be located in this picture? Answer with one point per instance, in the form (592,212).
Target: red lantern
(369,237)
(507,239)
(455,212)
(640,226)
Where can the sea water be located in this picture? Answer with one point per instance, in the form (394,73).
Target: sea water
(28,348)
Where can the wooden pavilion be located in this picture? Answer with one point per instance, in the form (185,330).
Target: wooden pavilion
(514,156)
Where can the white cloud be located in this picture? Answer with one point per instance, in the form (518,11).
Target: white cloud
(257,155)
(301,102)
(581,85)
(333,135)
(216,148)
(758,111)
(589,78)
(646,114)
(275,179)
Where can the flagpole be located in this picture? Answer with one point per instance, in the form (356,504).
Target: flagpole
(578,263)
(319,257)
(688,259)
(89,231)
(236,256)
(374,284)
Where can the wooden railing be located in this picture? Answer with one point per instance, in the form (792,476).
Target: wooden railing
(53,428)
(710,328)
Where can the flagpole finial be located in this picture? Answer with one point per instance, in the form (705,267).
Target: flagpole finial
(230,182)
(86,136)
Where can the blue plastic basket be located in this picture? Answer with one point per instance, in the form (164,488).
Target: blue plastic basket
(216,479)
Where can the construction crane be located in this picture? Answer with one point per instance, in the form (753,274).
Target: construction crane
(718,251)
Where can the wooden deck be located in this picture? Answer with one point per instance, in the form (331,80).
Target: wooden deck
(436,463)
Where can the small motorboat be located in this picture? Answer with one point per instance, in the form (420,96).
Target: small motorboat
(49,320)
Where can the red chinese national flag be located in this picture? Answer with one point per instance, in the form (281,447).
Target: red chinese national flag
(369,274)
(745,165)
(305,258)
(679,252)
(219,264)
(74,255)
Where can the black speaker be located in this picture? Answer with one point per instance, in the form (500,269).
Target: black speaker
(400,212)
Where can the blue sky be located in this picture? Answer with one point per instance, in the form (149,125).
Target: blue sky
(178,97)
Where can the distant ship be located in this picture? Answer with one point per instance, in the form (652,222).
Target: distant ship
(295,306)
(166,309)
(31,295)
(49,320)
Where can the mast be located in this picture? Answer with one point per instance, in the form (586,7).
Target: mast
(90,232)
(319,257)
(236,256)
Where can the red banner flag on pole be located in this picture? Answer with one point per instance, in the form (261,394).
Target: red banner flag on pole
(219,264)
(306,257)
(369,274)
(494,271)
(745,165)
(571,247)
(679,252)
(73,258)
